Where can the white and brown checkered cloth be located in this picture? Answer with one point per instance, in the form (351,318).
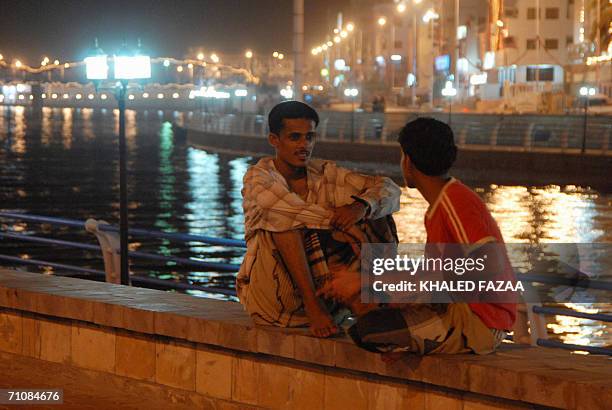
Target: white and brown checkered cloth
(263,285)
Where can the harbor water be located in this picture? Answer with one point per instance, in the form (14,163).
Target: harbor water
(63,162)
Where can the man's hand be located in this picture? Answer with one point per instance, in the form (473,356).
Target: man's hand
(348,215)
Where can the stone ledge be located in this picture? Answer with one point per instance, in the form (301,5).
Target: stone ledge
(533,375)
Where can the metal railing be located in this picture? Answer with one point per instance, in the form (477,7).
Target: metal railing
(553,133)
(107,236)
(530,326)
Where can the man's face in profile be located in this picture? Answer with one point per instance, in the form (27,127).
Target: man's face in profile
(295,142)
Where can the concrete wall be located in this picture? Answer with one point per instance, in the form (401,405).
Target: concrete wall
(487,165)
(208,351)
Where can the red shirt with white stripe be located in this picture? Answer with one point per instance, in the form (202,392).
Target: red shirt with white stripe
(458,215)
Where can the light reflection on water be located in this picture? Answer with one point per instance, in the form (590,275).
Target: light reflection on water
(536,215)
(63,163)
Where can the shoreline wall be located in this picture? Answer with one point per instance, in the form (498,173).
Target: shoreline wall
(474,165)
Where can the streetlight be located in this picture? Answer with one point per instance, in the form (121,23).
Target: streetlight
(352,93)
(429,17)
(401,8)
(127,66)
(249,56)
(449,91)
(585,92)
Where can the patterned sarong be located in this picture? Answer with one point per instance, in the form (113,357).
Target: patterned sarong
(425,329)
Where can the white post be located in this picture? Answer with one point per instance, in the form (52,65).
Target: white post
(110,247)
(537,324)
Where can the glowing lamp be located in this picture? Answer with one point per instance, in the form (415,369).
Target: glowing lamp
(96,67)
(132,67)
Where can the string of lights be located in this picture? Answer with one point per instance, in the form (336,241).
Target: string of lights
(337,37)
(180,64)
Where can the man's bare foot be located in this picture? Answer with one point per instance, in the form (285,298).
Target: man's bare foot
(321,322)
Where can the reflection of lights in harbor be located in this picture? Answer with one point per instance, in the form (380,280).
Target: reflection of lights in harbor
(569,216)
(579,331)
(580,307)
(88,132)
(509,207)
(131,129)
(409,218)
(67,128)
(46,126)
(19,142)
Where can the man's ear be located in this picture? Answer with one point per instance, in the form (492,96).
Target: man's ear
(273,140)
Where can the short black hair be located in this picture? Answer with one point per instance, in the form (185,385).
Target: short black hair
(430,145)
(290,110)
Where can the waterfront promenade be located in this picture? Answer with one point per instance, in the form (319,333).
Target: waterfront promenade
(522,157)
(121,347)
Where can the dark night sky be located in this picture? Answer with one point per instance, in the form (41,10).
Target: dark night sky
(64,29)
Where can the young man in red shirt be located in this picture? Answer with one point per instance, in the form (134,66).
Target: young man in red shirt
(456,215)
